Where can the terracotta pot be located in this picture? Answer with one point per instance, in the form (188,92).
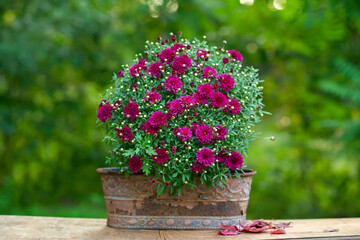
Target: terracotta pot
(133,202)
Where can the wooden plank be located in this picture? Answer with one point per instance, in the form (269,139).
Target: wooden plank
(15,227)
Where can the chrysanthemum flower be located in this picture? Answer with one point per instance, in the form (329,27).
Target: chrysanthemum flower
(205,90)
(137,70)
(226,82)
(135,164)
(219,100)
(187,101)
(155,69)
(234,161)
(202,54)
(162,155)
(185,134)
(176,106)
(197,167)
(181,64)
(131,110)
(220,132)
(104,112)
(167,55)
(152,96)
(234,106)
(209,72)
(157,119)
(178,46)
(173,84)
(236,55)
(205,157)
(200,99)
(222,156)
(203,134)
(125,133)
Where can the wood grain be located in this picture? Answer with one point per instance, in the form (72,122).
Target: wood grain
(25,227)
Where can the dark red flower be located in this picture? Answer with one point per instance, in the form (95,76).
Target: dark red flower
(131,110)
(125,133)
(234,161)
(157,119)
(205,157)
(197,167)
(219,100)
(161,157)
(226,81)
(225,60)
(155,69)
(236,55)
(167,55)
(104,112)
(137,70)
(135,164)
(120,73)
(203,134)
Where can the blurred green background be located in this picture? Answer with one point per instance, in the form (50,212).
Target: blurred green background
(57,56)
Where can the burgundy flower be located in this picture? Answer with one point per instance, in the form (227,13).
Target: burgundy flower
(152,96)
(187,101)
(143,61)
(102,102)
(176,131)
(137,70)
(195,114)
(205,156)
(155,69)
(197,167)
(120,73)
(131,110)
(157,119)
(135,164)
(203,134)
(177,46)
(158,88)
(162,142)
(209,72)
(194,126)
(225,60)
(219,100)
(200,99)
(226,82)
(170,114)
(117,104)
(185,134)
(234,106)
(104,112)
(192,84)
(167,55)
(202,54)
(134,87)
(221,156)
(234,161)
(173,84)
(220,132)
(125,133)
(162,155)
(173,149)
(176,106)
(147,128)
(181,64)
(236,55)
(173,37)
(205,90)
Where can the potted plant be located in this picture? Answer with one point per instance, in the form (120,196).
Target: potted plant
(179,121)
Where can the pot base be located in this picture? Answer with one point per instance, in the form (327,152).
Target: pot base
(171,222)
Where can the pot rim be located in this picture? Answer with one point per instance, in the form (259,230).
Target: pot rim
(115,171)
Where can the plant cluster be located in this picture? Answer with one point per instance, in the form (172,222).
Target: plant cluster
(182,109)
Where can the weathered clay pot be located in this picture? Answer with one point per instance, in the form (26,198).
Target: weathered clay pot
(133,203)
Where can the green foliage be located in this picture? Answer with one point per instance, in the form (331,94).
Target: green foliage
(57,55)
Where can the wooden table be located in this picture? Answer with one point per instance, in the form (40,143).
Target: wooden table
(24,227)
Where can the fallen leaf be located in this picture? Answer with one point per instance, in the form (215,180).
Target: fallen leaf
(331,230)
(278,231)
(283,225)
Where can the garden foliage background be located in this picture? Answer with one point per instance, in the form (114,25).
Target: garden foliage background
(57,56)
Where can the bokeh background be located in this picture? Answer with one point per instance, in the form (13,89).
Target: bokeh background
(57,56)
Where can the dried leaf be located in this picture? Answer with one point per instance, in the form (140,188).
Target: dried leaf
(331,230)
(278,231)
(283,225)
(229,232)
